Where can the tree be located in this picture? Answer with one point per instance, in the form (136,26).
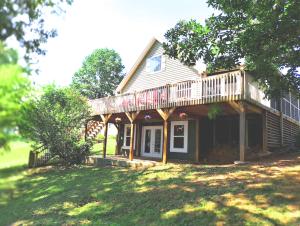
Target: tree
(263,33)
(55,120)
(100,74)
(24,21)
(14,86)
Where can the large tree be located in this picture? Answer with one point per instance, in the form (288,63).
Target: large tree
(100,74)
(24,20)
(265,34)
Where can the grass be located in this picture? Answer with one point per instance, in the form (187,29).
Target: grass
(174,194)
(111,144)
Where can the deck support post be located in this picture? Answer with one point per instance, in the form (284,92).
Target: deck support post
(197,144)
(240,108)
(105,119)
(117,148)
(132,117)
(165,114)
(242,133)
(165,143)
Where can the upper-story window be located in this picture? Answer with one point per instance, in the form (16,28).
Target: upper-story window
(155,64)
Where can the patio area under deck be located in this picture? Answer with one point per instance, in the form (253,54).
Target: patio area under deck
(233,90)
(119,160)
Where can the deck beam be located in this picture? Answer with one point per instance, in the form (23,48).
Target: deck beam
(165,113)
(105,118)
(132,116)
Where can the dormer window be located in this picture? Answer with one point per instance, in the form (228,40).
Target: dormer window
(154,64)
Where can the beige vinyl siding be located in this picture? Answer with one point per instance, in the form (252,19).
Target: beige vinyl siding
(173,72)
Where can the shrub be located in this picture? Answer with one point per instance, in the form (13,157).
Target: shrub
(55,120)
(99,137)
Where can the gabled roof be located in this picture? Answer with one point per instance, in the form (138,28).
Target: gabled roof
(129,75)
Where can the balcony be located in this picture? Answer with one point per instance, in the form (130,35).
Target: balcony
(224,87)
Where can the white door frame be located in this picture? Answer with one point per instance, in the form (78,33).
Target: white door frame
(152,154)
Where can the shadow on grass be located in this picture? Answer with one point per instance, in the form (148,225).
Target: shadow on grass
(162,195)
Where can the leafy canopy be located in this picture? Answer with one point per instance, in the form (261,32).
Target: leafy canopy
(14,86)
(266,34)
(100,74)
(55,120)
(24,20)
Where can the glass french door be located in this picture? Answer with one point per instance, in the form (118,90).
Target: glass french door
(152,141)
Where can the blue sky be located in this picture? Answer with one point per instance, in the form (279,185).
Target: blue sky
(123,25)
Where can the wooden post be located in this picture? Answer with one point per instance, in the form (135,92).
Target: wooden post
(132,117)
(132,127)
(138,139)
(105,119)
(242,134)
(117,139)
(105,140)
(264,132)
(165,142)
(165,114)
(197,145)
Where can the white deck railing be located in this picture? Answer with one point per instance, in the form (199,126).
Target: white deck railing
(217,88)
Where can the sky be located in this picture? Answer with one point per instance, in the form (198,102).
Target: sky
(123,25)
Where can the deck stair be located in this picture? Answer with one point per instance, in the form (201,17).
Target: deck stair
(93,129)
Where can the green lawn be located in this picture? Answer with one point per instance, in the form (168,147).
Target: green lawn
(111,145)
(172,194)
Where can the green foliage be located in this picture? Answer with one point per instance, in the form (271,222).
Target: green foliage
(100,137)
(100,74)
(24,20)
(263,33)
(14,86)
(213,111)
(55,120)
(7,55)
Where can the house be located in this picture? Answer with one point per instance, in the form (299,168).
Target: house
(166,110)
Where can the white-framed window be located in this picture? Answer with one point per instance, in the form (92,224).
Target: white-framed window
(179,136)
(127,133)
(155,64)
(127,129)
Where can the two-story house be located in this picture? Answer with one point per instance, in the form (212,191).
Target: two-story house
(166,110)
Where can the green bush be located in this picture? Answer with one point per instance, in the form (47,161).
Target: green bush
(55,120)
(99,137)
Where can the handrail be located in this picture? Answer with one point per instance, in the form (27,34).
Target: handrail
(217,88)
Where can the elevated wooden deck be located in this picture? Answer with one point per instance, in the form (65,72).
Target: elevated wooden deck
(212,89)
(225,87)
